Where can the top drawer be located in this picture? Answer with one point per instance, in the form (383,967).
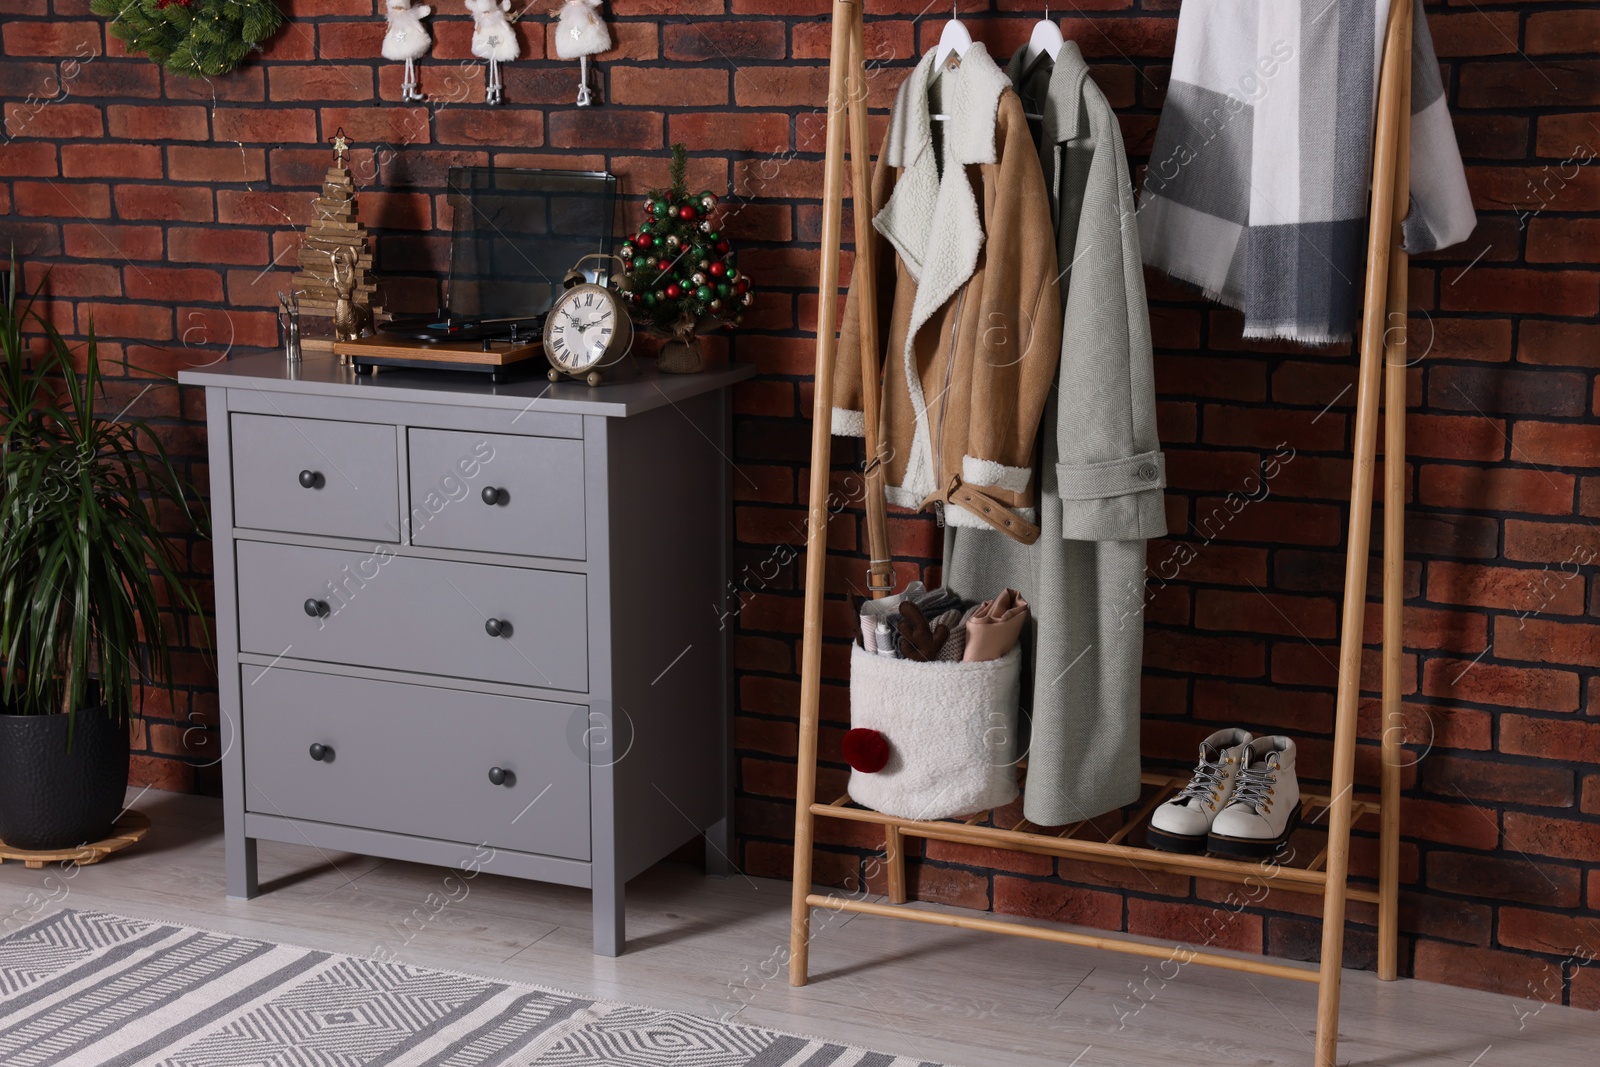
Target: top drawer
(315,476)
(490,492)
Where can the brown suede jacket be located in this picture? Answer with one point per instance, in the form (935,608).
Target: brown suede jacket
(967,283)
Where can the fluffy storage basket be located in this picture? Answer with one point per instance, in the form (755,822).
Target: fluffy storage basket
(951,729)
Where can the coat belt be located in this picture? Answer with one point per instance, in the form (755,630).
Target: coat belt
(992,511)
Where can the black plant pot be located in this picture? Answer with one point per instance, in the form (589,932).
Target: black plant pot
(51,797)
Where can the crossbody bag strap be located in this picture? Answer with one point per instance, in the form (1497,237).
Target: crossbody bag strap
(880,566)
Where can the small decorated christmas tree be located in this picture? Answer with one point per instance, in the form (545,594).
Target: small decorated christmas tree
(196,38)
(680,277)
(335,231)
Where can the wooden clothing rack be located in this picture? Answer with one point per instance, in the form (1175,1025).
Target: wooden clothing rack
(1382,364)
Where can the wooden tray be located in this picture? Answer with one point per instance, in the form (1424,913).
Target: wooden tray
(131,826)
(493,358)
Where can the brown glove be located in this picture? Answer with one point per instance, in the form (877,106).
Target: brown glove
(917,640)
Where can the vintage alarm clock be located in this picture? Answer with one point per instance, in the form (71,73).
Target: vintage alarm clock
(587,331)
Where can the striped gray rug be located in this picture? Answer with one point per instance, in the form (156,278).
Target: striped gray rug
(88,989)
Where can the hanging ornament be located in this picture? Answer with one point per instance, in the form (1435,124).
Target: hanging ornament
(626,251)
(493,41)
(581,33)
(708,200)
(672,240)
(718,269)
(407,39)
(698,278)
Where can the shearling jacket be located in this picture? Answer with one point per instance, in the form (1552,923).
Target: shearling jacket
(966,271)
(1101,477)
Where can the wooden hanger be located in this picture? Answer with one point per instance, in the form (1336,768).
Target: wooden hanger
(953,42)
(1046,39)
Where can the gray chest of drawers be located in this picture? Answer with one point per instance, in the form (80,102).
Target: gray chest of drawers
(472,625)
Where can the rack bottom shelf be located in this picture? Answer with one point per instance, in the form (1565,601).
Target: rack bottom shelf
(1275,873)
(1124,945)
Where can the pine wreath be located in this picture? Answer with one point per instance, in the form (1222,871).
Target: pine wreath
(197,38)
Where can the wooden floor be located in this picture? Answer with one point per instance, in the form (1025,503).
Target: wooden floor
(718,948)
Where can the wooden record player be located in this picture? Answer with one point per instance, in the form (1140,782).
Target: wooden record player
(497,358)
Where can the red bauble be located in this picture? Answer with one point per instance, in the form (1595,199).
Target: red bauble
(687,211)
(723,248)
(741,286)
(718,269)
(674,291)
(642,240)
(866,750)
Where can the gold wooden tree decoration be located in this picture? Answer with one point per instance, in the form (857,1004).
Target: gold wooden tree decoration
(335,229)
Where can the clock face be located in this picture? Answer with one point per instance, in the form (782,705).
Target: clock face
(581,328)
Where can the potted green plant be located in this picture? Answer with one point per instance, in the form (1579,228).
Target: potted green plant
(86,564)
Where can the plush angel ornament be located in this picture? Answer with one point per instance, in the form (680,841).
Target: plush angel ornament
(581,33)
(493,40)
(407,39)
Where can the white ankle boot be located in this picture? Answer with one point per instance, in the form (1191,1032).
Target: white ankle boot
(1183,823)
(1265,806)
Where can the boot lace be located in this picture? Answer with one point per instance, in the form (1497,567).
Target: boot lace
(1207,781)
(1254,786)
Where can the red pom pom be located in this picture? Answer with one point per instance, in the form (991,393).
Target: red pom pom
(866,750)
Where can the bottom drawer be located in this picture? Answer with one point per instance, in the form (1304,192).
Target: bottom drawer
(416,760)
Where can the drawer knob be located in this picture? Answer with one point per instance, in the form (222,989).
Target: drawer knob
(310,479)
(498,776)
(321,753)
(317,609)
(497,628)
(493,496)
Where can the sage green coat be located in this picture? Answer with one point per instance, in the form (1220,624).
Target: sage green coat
(1101,475)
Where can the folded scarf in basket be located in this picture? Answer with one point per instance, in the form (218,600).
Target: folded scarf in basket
(1257,189)
(996,627)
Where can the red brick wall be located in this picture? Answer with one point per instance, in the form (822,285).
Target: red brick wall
(169,209)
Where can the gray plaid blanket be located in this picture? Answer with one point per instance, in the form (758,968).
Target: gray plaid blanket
(1258,184)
